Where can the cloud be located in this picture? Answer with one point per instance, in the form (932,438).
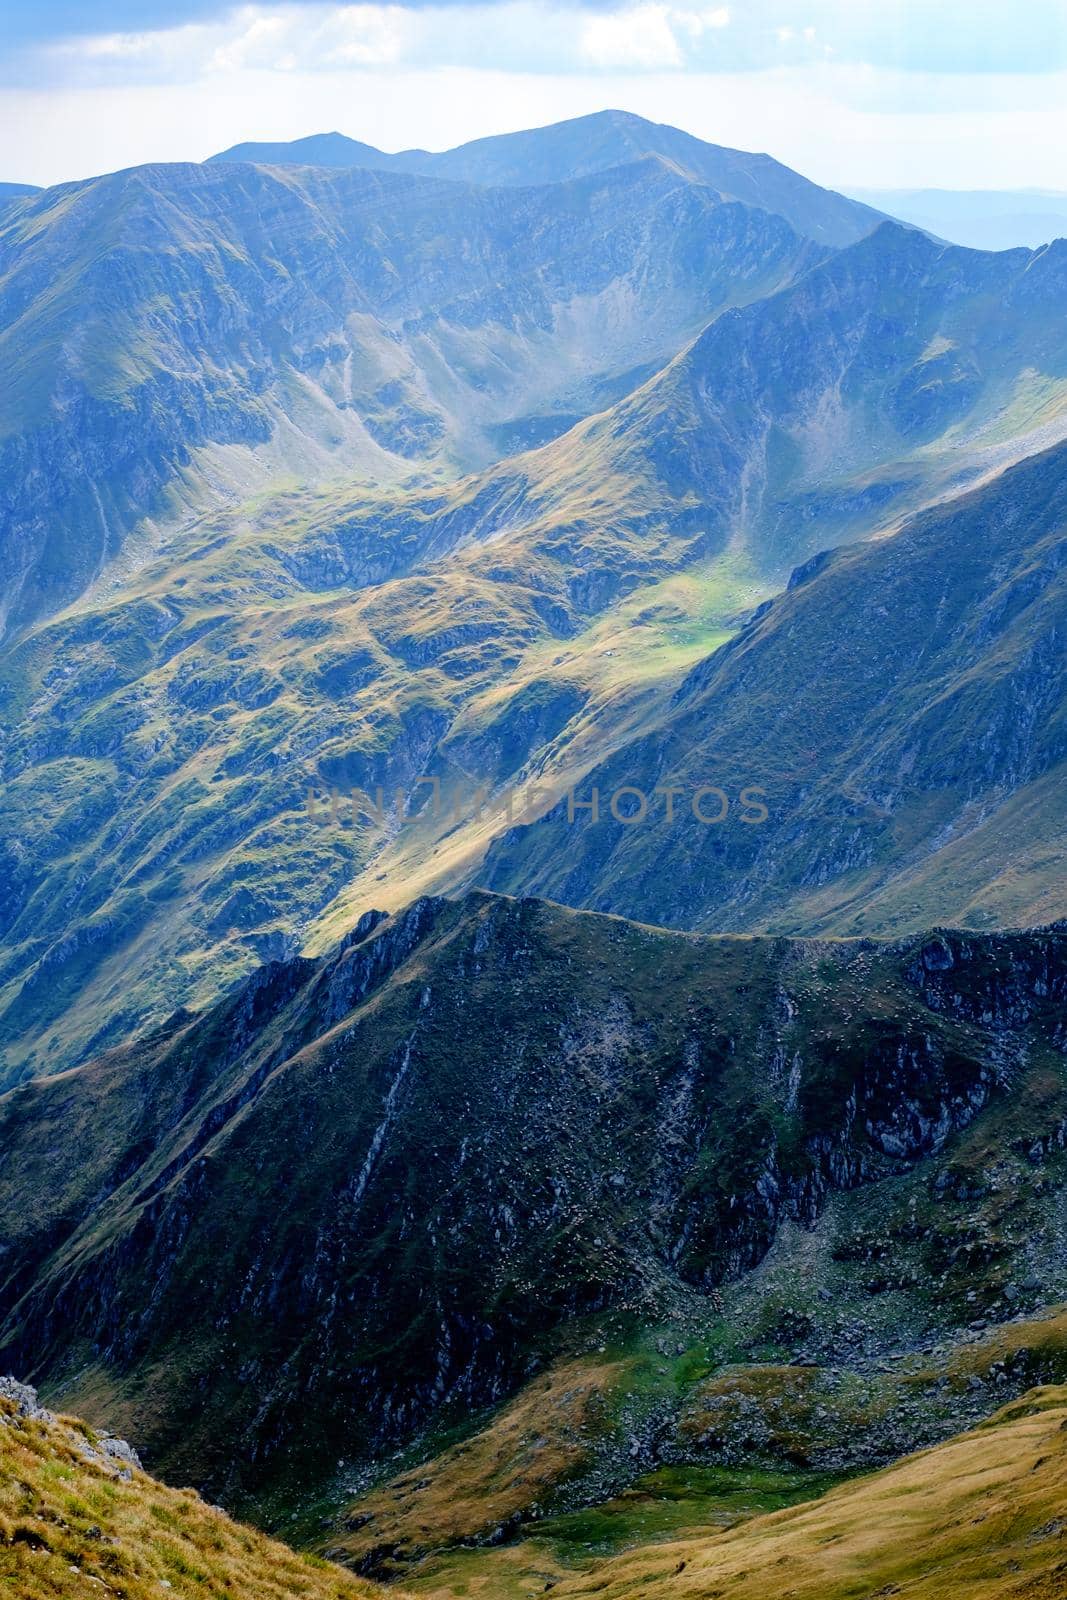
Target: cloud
(56,41)
(647,36)
(27,21)
(516,35)
(318,39)
(642,37)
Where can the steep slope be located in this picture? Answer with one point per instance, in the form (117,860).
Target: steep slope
(879,381)
(586,145)
(876,383)
(901,709)
(77,1510)
(521,624)
(907,1312)
(364,1193)
(175,335)
(976,1519)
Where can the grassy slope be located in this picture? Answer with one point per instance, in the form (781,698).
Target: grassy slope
(903,711)
(76,1521)
(978,1518)
(527,621)
(849,1346)
(180,739)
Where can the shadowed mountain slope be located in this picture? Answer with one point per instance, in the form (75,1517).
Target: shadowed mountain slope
(362,1191)
(901,709)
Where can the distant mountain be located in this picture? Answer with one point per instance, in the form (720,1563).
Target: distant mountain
(901,708)
(590,144)
(318,150)
(505,628)
(873,384)
(15,191)
(984,219)
(369,1191)
(214,328)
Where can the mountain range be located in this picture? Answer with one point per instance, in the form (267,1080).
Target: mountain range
(521,622)
(492,1121)
(215,329)
(588,145)
(532,882)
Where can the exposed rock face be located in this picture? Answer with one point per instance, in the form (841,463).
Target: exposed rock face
(104,1450)
(24,1399)
(362,1189)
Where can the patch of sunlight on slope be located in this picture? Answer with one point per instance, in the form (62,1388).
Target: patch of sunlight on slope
(977,1518)
(625,665)
(75,1521)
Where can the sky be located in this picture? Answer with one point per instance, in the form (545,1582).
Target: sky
(854,93)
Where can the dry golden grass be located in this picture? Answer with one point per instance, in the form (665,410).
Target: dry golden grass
(74,1524)
(983,1517)
(538,1441)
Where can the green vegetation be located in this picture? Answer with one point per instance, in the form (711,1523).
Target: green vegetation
(912,770)
(76,1519)
(509,1135)
(977,1518)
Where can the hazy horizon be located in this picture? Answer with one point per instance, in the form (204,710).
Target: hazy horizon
(888,98)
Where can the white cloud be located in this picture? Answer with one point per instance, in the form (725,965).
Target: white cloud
(697,23)
(284,38)
(516,35)
(364,36)
(642,37)
(647,36)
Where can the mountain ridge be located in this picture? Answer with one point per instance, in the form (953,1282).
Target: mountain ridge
(375,1085)
(178,332)
(846,817)
(582,145)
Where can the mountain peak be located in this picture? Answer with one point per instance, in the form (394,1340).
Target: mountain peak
(314,150)
(595,142)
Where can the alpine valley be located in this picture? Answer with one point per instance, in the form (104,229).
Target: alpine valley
(533,883)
